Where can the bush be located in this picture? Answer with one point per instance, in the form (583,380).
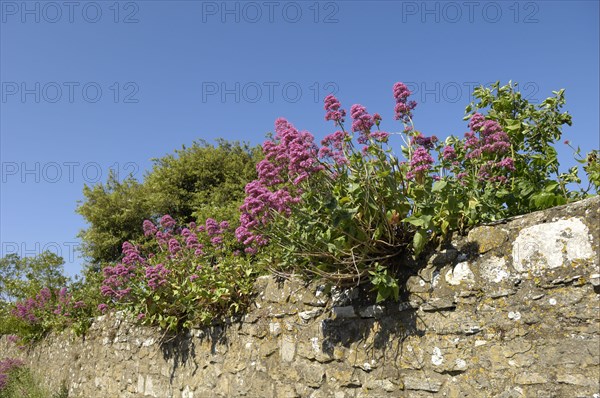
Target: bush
(180,276)
(346,210)
(35,297)
(114,211)
(32,318)
(201,181)
(16,381)
(22,277)
(194,183)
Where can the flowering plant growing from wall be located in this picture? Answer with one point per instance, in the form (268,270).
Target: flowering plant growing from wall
(180,276)
(346,210)
(31,318)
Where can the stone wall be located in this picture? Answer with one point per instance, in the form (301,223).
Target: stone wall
(511,310)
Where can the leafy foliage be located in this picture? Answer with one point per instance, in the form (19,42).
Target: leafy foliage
(16,381)
(345,212)
(196,182)
(536,182)
(180,277)
(114,211)
(22,277)
(201,181)
(37,297)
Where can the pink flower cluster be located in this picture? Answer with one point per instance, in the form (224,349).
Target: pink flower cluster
(404,107)
(420,162)
(179,243)
(164,235)
(61,303)
(333,147)
(26,309)
(65,303)
(491,141)
(449,153)
(6,366)
(426,142)
(332,106)
(149,228)
(362,121)
(116,280)
(496,171)
(492,146)
(290,158)
(156,276)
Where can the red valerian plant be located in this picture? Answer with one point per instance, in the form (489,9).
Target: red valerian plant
(7,366)
(180,276)
(47,309)
(346,210)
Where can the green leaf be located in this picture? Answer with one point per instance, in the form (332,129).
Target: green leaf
(438,186)
(419,221)
(419,241)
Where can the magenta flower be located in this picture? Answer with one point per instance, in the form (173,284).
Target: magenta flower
(449,153)
(174,246)
(332,106)
(212,227)
(191,242)
(476,122)
(427,142)
(167,221)
(333,146)
(156,276)
(131,254)
(115,278)
(380,136)
(377,119)
(362,121)
(492,140)
(102,307)
(291,157)
(420,163)
(149,228)
(404,108)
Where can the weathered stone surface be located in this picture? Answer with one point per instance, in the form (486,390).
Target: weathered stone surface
(552,245)
(487,237)
(461,273)
(519,318)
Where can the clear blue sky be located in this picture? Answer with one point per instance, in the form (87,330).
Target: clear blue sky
(88,86)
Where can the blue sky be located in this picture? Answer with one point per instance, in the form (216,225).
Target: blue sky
(96,85)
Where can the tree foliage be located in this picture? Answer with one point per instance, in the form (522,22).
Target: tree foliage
(114,211)
(22,277)
(196,182)
(201,181)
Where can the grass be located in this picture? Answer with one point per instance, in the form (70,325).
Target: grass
(21,383)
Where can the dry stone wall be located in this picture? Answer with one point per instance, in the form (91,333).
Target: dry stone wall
(511,310)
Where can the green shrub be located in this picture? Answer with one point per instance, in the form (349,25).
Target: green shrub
(347,210)
(196,182)
(180,277)
(16,381)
